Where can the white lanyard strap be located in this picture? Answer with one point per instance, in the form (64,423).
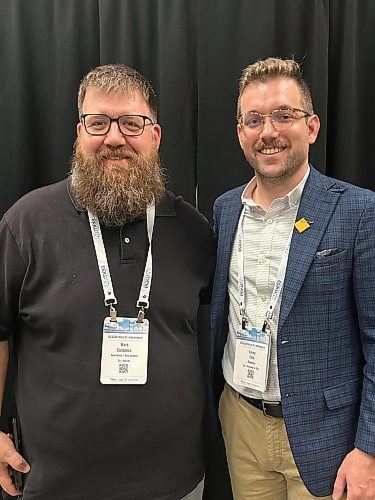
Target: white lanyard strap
(241,275)
(105,275)
(144,293)
(277,288)
(101,256)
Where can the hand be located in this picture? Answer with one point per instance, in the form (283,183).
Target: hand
(10,457)
(357,473)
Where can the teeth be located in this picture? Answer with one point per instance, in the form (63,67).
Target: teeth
(270,151)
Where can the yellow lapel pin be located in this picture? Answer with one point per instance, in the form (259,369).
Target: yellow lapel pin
(301,225)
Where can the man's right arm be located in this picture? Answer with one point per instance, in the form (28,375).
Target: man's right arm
(8,453)
(12,272)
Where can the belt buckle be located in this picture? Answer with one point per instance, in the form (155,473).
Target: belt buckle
(264,409)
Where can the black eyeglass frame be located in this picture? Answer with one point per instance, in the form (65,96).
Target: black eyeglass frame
(111,120)
(264,116)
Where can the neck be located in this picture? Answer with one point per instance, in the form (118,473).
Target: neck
(268,190)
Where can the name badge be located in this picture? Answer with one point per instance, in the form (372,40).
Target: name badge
(124,351)
(251,361)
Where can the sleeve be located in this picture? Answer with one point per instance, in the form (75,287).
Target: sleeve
(12,271)
(206,292)
(364,290)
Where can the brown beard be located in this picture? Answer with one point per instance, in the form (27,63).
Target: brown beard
(119,193)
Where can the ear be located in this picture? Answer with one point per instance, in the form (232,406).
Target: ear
(239,134)
(79,128)
(156,133)
(313,126)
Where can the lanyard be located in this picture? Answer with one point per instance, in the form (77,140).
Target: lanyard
(105,275)
(277,288)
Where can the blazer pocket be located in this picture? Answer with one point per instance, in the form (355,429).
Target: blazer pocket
(321,260)
(344,394)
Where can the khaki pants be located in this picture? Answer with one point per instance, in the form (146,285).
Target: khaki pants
(260,460)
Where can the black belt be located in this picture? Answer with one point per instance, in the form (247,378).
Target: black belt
(268,408)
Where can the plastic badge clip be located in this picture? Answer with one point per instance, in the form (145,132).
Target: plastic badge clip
(141,315)
(113,313)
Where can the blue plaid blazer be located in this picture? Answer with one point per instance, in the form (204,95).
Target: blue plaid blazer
(327,316)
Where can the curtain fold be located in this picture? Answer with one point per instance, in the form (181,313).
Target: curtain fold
(193,51)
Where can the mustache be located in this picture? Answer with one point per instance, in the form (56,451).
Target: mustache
(116,153)
(270,144)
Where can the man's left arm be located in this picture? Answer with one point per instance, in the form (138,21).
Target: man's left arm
(357,471)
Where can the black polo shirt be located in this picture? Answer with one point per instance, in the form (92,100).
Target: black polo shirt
(85,440)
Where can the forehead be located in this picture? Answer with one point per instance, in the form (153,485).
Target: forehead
(271,94)
(114,102)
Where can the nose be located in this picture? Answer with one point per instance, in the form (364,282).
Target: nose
(114,137)
(268,129)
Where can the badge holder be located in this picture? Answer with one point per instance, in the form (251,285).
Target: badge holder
(251,363)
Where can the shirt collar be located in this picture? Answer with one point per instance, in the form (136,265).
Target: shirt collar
(291,199)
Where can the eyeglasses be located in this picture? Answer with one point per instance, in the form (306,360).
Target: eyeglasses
(280,118)
(128,124)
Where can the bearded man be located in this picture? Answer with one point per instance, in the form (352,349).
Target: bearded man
(101,278)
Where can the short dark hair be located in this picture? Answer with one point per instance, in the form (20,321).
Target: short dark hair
(118,77)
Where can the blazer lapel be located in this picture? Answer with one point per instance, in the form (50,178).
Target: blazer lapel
(318,202)
(227,218)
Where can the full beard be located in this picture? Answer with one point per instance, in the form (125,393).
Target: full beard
(116,194)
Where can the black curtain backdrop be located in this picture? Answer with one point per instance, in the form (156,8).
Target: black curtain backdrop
(193,52)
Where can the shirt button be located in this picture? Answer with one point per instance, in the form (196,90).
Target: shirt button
(263,298)
(269,221)
(262,260)
(127,240)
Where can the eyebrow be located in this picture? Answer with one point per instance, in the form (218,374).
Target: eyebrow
(282,106)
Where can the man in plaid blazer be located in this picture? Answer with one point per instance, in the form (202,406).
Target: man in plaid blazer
(293,313)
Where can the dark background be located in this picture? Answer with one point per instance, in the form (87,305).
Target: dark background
(193,52)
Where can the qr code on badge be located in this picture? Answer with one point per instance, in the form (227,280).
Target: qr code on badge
(123,368)
(250,374)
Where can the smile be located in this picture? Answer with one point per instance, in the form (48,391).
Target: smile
(271,151)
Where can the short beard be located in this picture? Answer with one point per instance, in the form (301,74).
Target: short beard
(288,170)
(292,164)
(116,194)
